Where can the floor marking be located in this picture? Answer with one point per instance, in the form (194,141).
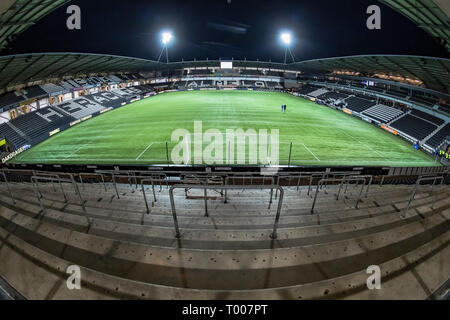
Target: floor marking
(381,155)
(144,151)
(310,152)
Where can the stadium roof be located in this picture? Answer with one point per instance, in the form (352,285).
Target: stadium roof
(17,15)
(430,15)
(26,68)
(434,73)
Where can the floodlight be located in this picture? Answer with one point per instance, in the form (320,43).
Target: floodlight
(166,37)
(286,38)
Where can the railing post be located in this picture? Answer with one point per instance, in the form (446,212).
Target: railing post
(167,152)
(370,183)
(37,193)
(226,190)
(206,200)
(277,217)
(81,180)
(315,197)
(115,185)
(103,180)
(382,180)
(7,186)
(360,194)
(174,213)
(154,193)
(145,197)
(298,181)
(62,190)
(290,153)
(77,191)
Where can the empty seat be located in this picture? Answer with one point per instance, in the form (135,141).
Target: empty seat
(382,113)
(439,137)
(414,127)
(426,116)
(358,104)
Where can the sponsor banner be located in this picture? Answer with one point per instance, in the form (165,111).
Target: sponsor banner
(347,111)
(15,153)
(389,129)
(86,118)
(75,122)
(54,132)
(106,110)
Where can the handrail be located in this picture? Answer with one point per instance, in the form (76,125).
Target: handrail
(7,186)
(365,177)
(35,181)
(153,188)
(80,175)
(182,186)
(338,180)
(413,193)
(271,178)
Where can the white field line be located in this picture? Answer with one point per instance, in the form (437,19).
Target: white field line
(311,152)
(349,135)
(88,143)
(139,156)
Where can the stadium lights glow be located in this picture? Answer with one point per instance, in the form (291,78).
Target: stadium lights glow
(166,37)
(286,38)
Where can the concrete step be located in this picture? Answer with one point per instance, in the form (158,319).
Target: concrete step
(217,222)
(43,276)
(206,269)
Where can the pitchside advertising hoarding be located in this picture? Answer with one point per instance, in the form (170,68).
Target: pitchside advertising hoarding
(15,153)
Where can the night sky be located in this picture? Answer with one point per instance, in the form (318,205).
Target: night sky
(227,29)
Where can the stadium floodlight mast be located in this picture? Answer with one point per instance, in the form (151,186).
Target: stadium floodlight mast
(286,39)
(166,39)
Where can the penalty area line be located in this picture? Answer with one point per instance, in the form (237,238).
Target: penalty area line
(139,156)
(311,152)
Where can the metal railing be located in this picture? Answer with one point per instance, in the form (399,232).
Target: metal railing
(347,183)
(81,175)
(243,178)
(416,186)
(345,179)
(2,173)
(35,182)
(153,189)
(226,187)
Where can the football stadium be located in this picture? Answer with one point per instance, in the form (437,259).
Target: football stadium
(134,178)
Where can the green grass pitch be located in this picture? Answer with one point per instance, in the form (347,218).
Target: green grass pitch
(137,133)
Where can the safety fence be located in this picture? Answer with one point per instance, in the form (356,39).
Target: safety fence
(219,182)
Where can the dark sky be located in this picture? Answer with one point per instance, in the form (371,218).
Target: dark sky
(227,29)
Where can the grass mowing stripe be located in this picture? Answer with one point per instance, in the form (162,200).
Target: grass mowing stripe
(315,131)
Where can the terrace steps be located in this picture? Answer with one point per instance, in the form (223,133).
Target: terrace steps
(128,254)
